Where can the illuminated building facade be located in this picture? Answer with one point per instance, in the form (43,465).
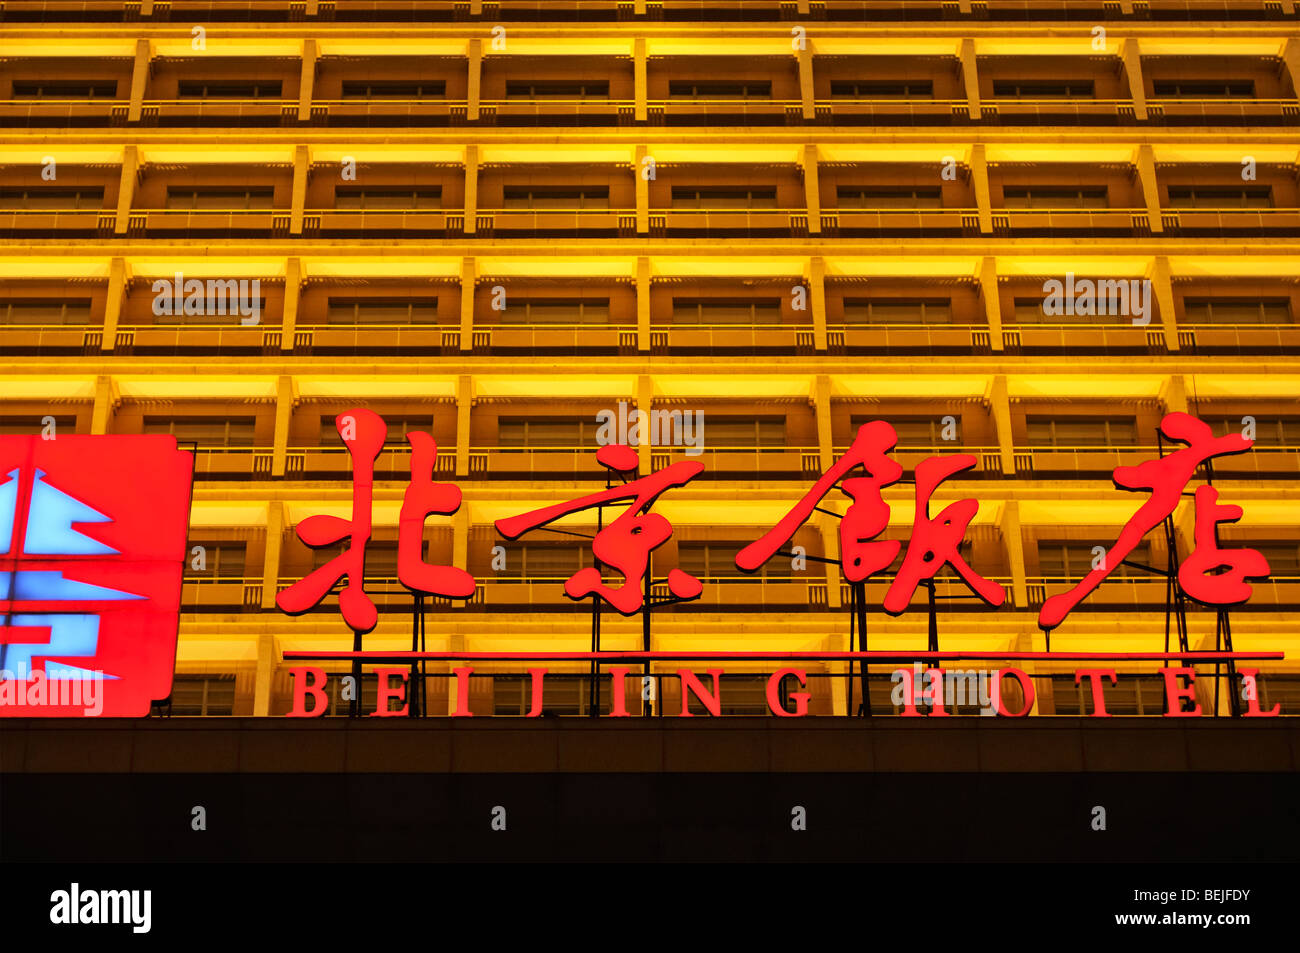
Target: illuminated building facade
(497,222)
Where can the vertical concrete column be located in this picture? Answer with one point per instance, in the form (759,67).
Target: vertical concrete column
(970,78)
(114,300)
(464,407)
(640,80)
(645,395)
(307,80)
(276,523)
(1130,54)
(285,399)
(992,300)
(126,188)
(822,411)
(642,185)
(1000,408)
(979,176)
(1146,170)
(292,294)
(1173,394)
(474,86)
(267,657)
(139,80)
(807,89)
(468,277)
(1291,60)
(817,294)
(460,523)
(1015,543)
(471,190)
(301,170)
(106,401)
(1162,286)
(643,304)
(812,189)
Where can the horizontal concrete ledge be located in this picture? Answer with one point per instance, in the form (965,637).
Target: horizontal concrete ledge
(670,745)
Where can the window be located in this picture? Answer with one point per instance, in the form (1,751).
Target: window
(900,89)
(20,426)
(49,89)
(1236,311)
(1204,88)
(52,199)
(219,199)
(1283,556)
(723,197)
(1269,431)
(1030,310)
(556,433)
(1283,690)
(556,311)
(381,558)
(704,89)
(897,311)
(400,197)
(556,197)
(1054,197)
(1072,559)
(745,433)
(737,311)
(398,428)
(544,561)
(1206,196)
(205,431)
(1044,89)
(921,433)
(44,311)
(381,311)
(717,560)
(229,89)
(563,695)
(558,89)
(223,560)
(394,89)
(203,695)
(873,197)
(1071,433)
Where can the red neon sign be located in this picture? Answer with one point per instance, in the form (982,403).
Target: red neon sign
(92,540)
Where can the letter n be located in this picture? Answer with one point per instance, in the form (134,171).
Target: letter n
(693,686)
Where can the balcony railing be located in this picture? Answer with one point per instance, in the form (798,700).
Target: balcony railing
(1231,221)
(754,222)
(851,222)
(897,111)
(382,111)
(1244,339)
(545,110)
(1104,334)
(334,462)
(1147,591)
(1192,112)
(595,222)
(218,111)
(555,338)
(64,222)
(1062,111)
(43,339)
(731,339)
(703,112)
(84,111)
(743,462)
(215,593)
(333,221)
(353,339)
(1072,221)
(907,338)
(989,465)
(231,337)
(208,221)
(230,463)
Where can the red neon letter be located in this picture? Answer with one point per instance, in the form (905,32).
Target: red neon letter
(1026,687)
(618,694)
(1175,695)
(932,693)
(1251,677)
(301,689)
(1094,675)
(385,693)
(538,674)
(462,693)
(712,702)
(774,694)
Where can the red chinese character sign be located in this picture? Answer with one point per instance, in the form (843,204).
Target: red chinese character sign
(364,433)
(92,547)
(934,541)
(1210,575)
(626,543)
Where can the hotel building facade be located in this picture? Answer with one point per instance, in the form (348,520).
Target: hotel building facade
(497,222)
